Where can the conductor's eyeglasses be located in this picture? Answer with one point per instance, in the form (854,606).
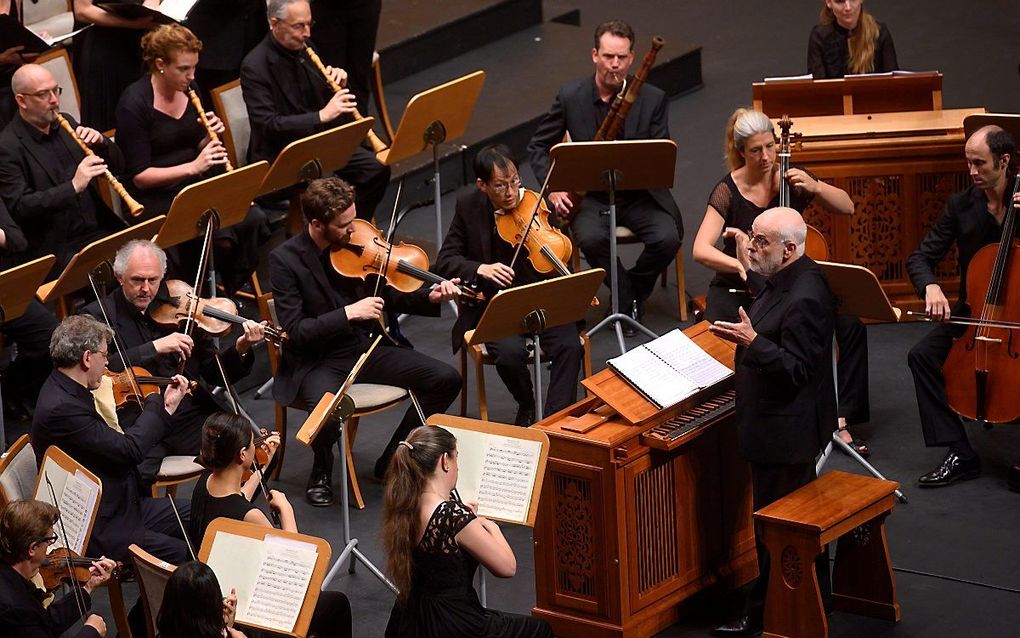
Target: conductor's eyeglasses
(502,187)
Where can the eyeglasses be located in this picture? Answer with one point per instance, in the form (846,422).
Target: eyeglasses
(502,187)
(758,239)
(45,93)
(49,540)
(105,353)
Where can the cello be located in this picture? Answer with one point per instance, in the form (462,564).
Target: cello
(815,246)
(982,371)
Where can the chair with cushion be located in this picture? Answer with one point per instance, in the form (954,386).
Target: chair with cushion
(18,472)
(58,63)
(152,575)
(53,17)
(173,471)
(229,105)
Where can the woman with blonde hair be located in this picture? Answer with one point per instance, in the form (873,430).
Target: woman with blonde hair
(434,545)
(848,40)
(749,188)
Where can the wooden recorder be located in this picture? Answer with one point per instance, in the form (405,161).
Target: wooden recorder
(134,207)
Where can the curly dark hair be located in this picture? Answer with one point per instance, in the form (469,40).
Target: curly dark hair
(326,198)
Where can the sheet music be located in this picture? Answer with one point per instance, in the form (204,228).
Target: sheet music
(678,350)
(508,477)
(235,561)
(77,502)
(177,9)
(280,586)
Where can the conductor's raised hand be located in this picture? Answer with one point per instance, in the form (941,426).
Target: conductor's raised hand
(367,309)
(174,393)
(499,274)
(743,240)
(342,103)
(741,333)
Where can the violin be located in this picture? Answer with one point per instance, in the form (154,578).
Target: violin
(548,248)
(365,253)
(215,316)
(136,383)
(62,564)
(263,455)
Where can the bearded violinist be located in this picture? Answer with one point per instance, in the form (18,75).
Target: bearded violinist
(140,267)
(26,533)
(329,317)
(473,250)
(972,219)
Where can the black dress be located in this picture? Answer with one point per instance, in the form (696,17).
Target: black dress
(442,602)
(829,51)
(106,61)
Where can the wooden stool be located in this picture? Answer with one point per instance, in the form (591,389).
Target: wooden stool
(797,527)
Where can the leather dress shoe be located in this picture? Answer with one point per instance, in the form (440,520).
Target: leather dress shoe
(525,415)
(952,469)
(746,626)
(319,492)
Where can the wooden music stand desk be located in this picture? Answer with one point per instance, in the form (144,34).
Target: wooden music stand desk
(76,274)
(18,286)
(225,527)
(612,166)
(1007,121)
(534,308)
(57,461)
(314,156)
(873,93)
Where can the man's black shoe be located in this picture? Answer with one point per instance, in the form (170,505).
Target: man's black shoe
(952,469)
(525,415)
(319,492)
(743,627)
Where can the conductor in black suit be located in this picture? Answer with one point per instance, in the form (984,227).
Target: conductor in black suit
(653,216)
(329,317)
(474,250)
(786,402)
(288,99)
(66,416)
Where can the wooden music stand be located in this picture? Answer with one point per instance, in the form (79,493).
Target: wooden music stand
(872,93)
(76,274)
(613,166)
(57,465)
(532,309)
(221,529)
(858,294)
(440,114)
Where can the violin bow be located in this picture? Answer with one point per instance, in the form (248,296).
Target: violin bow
(180,523)
(534,215)
(203,264)
(389,246)
(79,596)
(125,359)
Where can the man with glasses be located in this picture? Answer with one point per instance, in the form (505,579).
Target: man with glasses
(786,400)
(288,99)
(472,251)
(26,533)
(46,180)
(66,416)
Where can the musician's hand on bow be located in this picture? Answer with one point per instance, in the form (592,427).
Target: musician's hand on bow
(96,622)
(253,333)
(560,202)
(101,571)
(230,608)
(278,502)
(212,154)
(89,136)
(91,166)
(743,241)
(800,179)
(935,303)
(342,103)
(741,333)
(176,343)
(499,274)
(175,392)
(444,291)
(367,309)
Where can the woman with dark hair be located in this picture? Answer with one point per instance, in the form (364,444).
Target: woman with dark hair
(435,544)
(166,148)
(228,449)
(193,606)
(848,40)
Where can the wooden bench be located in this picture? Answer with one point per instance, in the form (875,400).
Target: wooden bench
(797,527)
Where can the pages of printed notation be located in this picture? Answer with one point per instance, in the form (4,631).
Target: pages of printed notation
(270,576)
(76,499)
(177,10)
(669,369)
(497,472)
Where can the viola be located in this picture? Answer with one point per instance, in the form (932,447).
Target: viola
(365,253)
(548,248)
(62,565)
(215,316)
(136,383)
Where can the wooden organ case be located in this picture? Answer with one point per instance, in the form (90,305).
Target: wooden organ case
(641,508)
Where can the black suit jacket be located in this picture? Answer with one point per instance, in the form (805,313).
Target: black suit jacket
(574,112)
(46,207)
(786,402)
(281,108)
(23,616)
(66,416)
(311,309)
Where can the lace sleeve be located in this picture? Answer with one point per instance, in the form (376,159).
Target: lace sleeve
(458,518)
(446,522)
(720,199)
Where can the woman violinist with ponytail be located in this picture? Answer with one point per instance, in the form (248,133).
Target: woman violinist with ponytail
(848,40)
(228,449)
(434,545)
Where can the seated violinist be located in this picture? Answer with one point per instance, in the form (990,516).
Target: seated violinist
(139,267)
(66,416)
(473,249)
(26,533)
(228,451)
(329,317)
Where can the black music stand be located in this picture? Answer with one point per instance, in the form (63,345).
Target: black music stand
(534,308)
(613,166)
(858,294)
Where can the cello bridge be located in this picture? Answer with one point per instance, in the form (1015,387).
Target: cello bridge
(988,339)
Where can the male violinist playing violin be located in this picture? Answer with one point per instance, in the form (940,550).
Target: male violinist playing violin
(474,250)
(329,318)
(140,266)
(972,219)
(26,533)
(652,215)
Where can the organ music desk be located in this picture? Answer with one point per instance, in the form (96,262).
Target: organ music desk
(641,508)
